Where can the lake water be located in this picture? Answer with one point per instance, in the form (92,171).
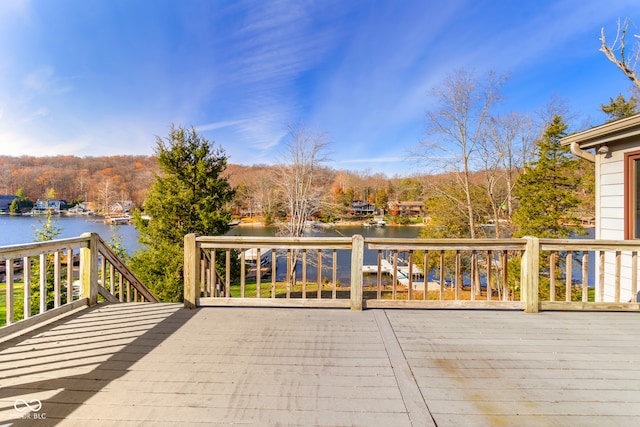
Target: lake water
(20,229)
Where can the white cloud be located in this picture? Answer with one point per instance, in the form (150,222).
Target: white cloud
(219,125)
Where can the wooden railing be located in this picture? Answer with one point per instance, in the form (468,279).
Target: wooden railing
(44,279)
(460,273)
(579,274)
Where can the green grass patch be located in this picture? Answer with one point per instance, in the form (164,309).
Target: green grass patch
(18,297)
(279,290)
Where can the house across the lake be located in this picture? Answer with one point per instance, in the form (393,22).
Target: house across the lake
(5,202)
(617,174)
(48,205)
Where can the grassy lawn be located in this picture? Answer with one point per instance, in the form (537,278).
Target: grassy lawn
(18,295)
(311,289)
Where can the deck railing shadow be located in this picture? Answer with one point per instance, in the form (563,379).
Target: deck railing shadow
(45,279)
(48,373)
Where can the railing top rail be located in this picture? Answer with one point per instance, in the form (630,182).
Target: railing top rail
(589,245)
(240,242)
(445,244)
(38,248)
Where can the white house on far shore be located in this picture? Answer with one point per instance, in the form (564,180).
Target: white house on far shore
(616,157)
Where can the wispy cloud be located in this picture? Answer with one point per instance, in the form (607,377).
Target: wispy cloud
(219,125)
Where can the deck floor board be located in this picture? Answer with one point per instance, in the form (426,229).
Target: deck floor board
(159,364)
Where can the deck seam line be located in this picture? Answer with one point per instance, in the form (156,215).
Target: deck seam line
(414,402)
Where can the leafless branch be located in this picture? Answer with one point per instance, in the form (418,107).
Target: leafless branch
(628,65)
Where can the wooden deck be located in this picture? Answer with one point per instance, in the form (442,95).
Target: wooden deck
(160,364)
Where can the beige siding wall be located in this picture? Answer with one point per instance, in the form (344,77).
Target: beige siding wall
(610,216)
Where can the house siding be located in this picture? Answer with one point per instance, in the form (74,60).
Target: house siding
(610,218)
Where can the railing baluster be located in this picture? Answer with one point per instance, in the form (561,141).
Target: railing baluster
(304,274)
(56,279)
(489,275)
(474,272)
(258,271)
(43,283)
(274,260)
(69,275)
(112,279)
(242,274)
(600,297)
(288,277)
(458,274)
(319,273)
(394,277)
(120,283)
(103,270)
(505,278)
(618,270)
(26,278)
(634,276)
(379,275)
(9,290)
(569,275)
(202,286)
(585,276)
(227,276)
(425,274)
(409,292)
(335,275)
(442,277)
(214,273)
(552,275)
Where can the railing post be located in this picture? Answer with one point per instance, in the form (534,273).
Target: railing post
(357,260)
(530,275)
(191,271)
(89,269)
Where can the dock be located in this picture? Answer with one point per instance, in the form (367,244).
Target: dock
(386,267)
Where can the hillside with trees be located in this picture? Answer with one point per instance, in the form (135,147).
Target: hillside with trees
(99,180)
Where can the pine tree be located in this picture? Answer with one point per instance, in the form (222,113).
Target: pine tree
(620,107)
(546,190)
(189,196)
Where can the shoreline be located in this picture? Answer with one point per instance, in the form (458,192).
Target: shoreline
(327,224)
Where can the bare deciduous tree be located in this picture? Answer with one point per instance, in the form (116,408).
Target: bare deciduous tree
(297,178)
(506,144)
(628,64)
(299,183)
(455,128)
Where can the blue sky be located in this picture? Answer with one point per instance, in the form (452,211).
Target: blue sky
(92,78)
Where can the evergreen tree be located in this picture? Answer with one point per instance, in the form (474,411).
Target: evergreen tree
(546,191)
(188,196)
(620,107)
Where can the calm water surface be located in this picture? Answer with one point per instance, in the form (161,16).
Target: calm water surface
(20,229)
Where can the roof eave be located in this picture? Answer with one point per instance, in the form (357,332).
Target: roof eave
(606,133)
